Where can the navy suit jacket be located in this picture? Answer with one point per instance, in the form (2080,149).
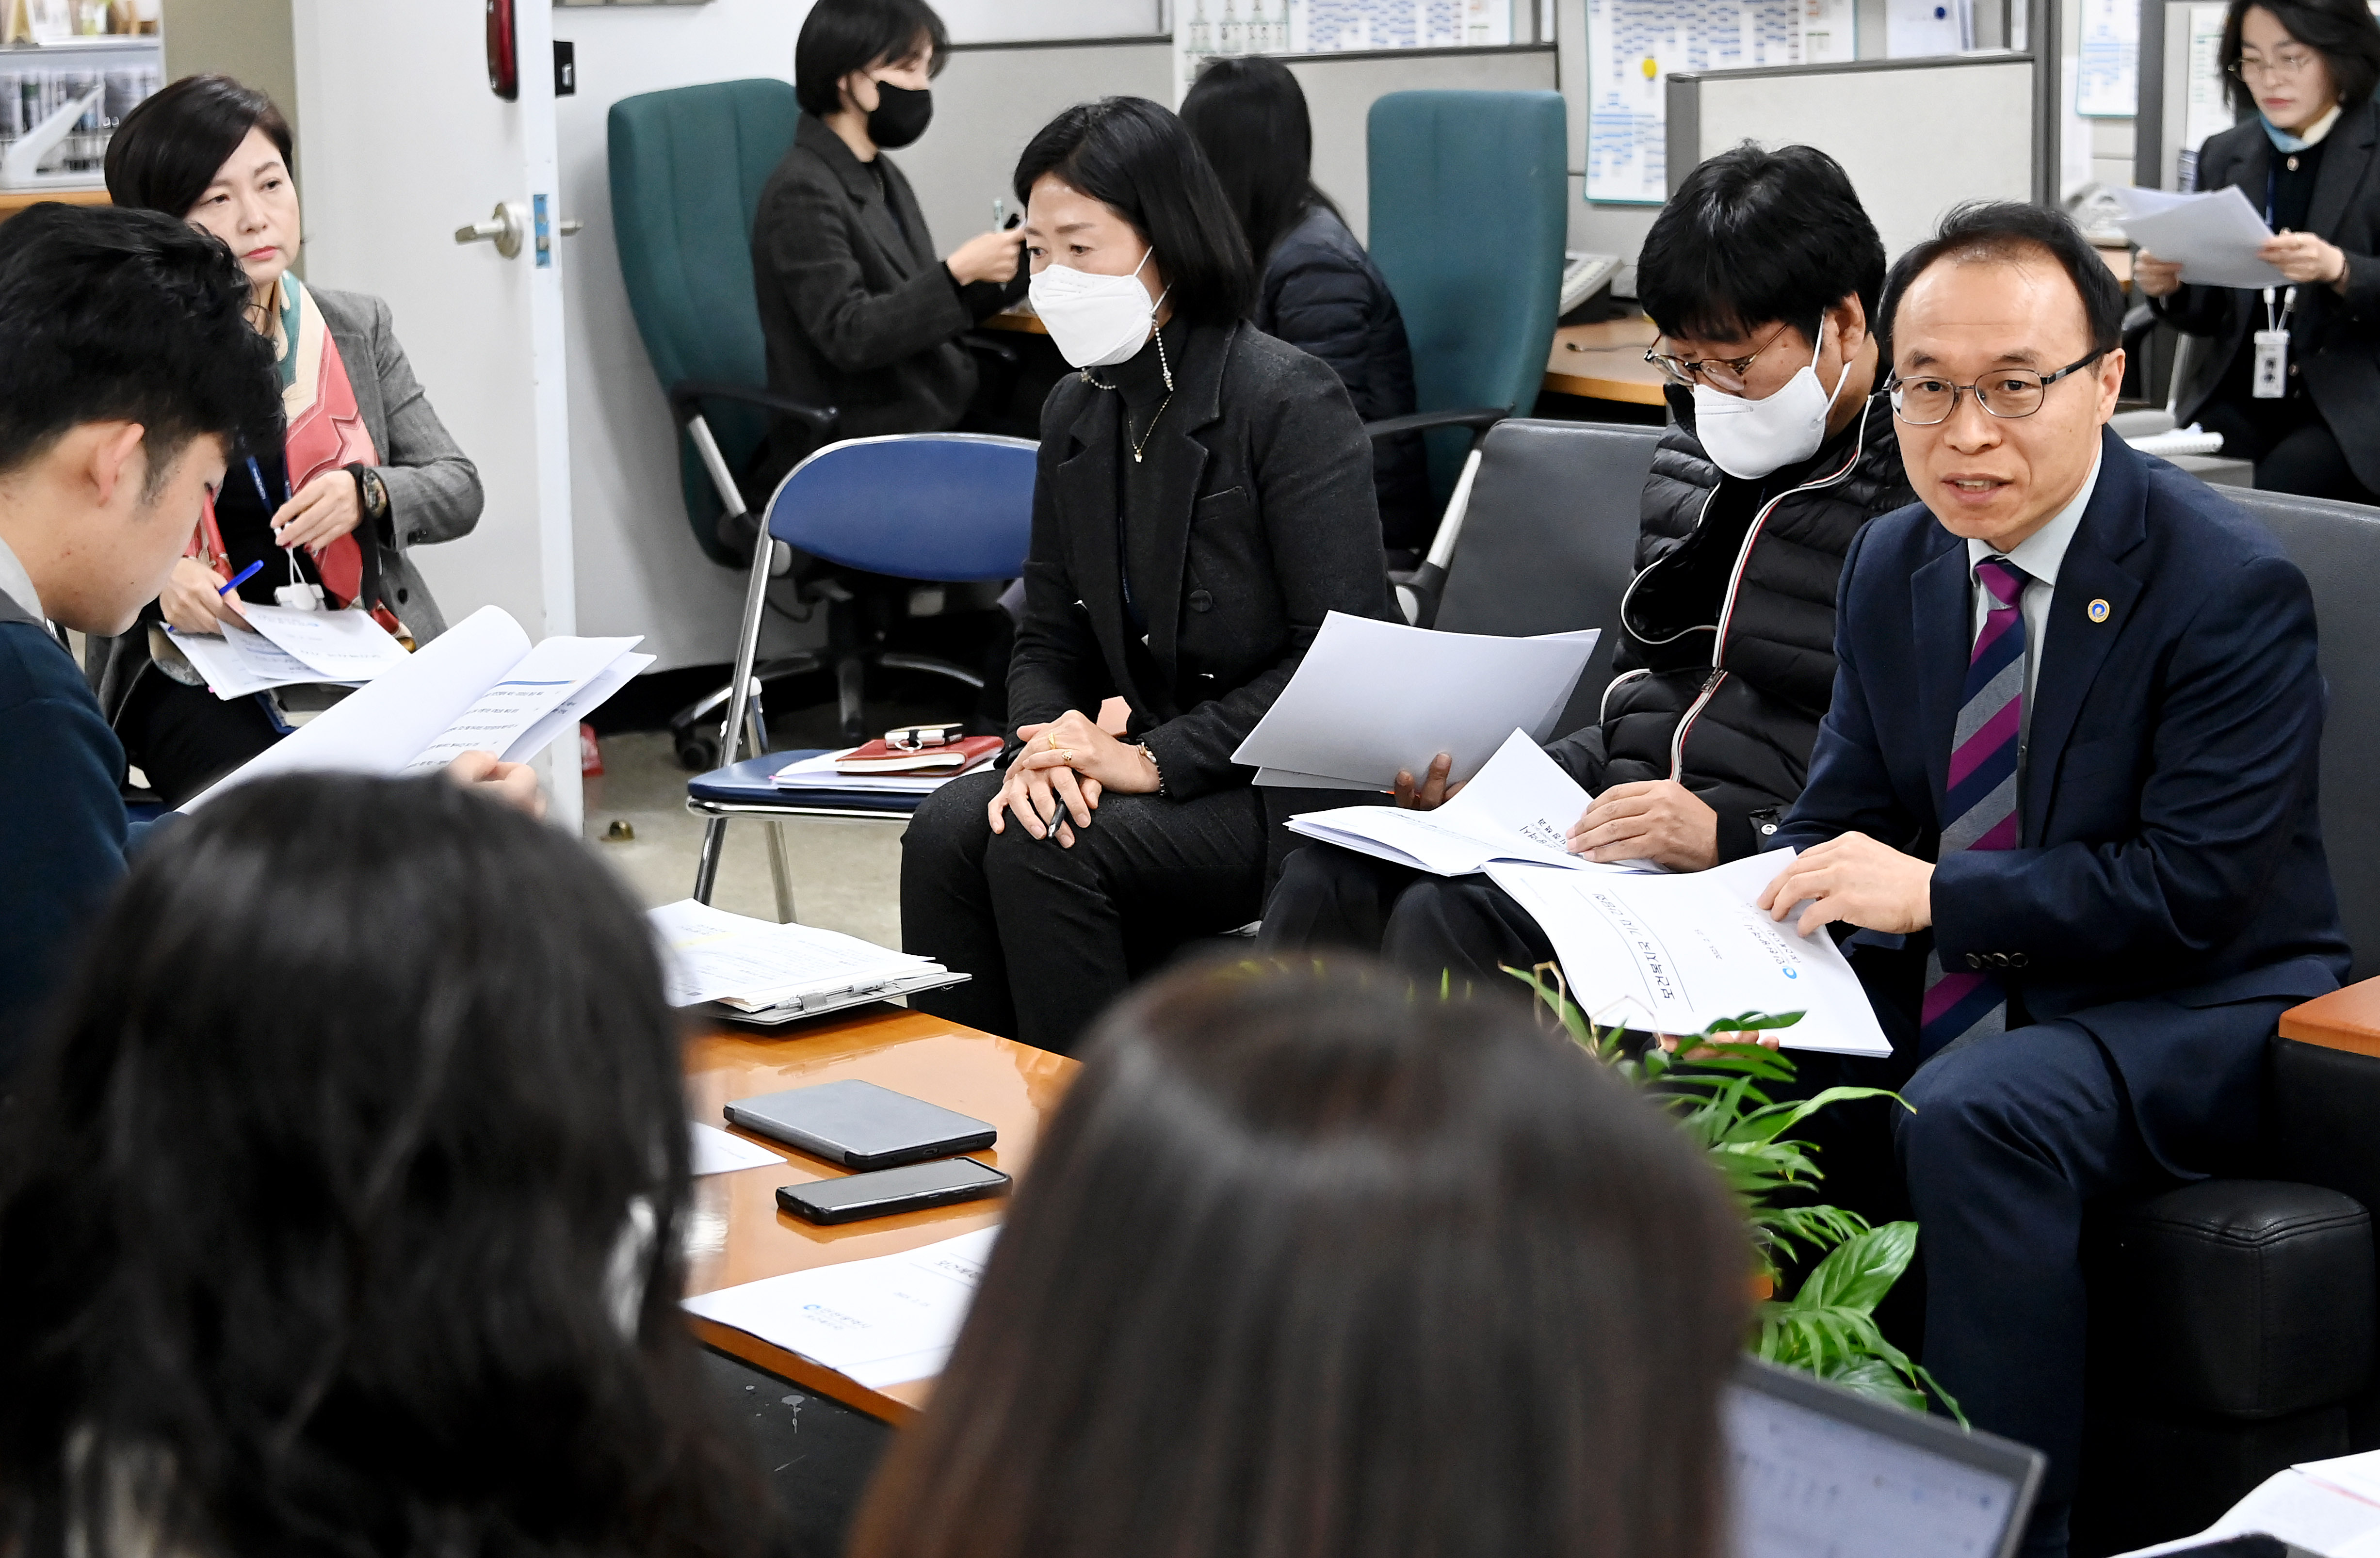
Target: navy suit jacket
(2171,861)
(63,833)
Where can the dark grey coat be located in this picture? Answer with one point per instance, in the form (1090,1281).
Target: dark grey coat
(857,313)
(1265,518)
(2335,340)
(434,489)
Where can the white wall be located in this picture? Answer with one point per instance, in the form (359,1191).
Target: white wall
(639,570)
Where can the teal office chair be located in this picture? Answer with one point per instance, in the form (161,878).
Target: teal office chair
(688,166)
(1469,207)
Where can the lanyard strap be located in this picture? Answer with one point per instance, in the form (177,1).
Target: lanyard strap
(2289,303)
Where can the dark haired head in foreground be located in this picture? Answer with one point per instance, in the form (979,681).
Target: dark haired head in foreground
(342,1211)
(1311,1263)
(1139,160)
(1755,237)
(114,320)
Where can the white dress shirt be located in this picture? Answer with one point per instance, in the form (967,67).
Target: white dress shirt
(2039,555)
(18,584)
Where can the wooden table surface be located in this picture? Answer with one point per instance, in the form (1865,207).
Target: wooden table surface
(736,1234)
(14,200)
(2348,1018)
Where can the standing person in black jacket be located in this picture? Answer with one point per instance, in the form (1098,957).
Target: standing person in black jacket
(857,313)
(1204,499)
(2307,68)
(1762,272)
(1317,289)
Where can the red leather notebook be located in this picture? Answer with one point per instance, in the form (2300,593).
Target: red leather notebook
(952,757)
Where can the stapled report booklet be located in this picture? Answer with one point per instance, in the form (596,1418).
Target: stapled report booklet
(479,687)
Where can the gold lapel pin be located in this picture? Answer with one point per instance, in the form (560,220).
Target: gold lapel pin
(2097,610)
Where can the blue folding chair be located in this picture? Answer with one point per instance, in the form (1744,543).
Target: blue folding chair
(949,508)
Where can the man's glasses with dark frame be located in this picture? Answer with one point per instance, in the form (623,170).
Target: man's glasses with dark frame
(1715,372)
(2007,393)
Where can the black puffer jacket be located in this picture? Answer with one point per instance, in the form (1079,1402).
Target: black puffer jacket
(1726,658)
(1322,294)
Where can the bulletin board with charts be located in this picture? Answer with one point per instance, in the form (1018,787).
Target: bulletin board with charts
(1633,45)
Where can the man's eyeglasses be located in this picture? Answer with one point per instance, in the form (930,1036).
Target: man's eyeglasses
(2004,392)
(2284,66)
(1721,372)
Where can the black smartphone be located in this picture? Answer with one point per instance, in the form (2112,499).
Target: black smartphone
(861,1125)
(884,1192)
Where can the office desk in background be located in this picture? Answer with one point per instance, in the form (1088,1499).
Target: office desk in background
(14,200)
(737,1234)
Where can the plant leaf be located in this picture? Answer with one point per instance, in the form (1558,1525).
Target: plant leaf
(1859,1271)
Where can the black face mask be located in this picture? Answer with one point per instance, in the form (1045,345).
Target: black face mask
(900,116)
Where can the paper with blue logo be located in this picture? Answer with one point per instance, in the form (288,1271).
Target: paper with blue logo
(880,1322)
(1671,954)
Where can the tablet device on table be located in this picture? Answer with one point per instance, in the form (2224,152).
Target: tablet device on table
(883,1192)
(1816,1470)
(861,1125)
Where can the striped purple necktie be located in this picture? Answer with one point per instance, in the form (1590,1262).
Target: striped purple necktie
(1981,798)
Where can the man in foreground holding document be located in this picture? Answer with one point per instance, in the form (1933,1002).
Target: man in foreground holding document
(2066,792)
(104,466)
(1763,272)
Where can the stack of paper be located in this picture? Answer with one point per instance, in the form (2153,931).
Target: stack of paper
(879,1321)
(1519,807)
(753,965)
(715,1152)
(1373,698)
(817,773)
(480,687)
(2214,235)
(287,647)
(1672,954)
(2328,1508)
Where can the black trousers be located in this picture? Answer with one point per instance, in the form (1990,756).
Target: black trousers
(1466,926)
(186,738)
(1053,935)
(2293,448)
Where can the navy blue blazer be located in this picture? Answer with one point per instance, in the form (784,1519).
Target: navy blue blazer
(63,842)
(2171,862)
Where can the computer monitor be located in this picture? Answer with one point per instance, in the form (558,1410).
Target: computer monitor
(1819,1472)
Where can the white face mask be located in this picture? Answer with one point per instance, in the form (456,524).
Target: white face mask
(1751,438)
(1094,322)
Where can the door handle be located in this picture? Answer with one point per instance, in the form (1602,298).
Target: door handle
(507,229)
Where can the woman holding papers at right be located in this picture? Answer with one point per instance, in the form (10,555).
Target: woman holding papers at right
(2290,375)
(1204,500)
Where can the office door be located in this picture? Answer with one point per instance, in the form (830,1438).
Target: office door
(401,142)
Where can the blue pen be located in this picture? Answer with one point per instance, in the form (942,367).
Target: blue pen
(241,577)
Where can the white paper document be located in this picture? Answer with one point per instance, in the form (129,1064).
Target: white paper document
(1520,806)
(2214,235)
(413,708)
(236,663)
(879,1321)
(2313,1506)
(711,955)
(1371,698)
(1672,954)
(716,1152)
(336,645)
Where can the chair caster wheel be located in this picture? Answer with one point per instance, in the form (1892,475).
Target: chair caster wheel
(697,751)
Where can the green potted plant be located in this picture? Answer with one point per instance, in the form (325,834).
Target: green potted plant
(1717,1089)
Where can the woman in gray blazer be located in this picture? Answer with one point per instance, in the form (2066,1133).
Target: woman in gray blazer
(364,473)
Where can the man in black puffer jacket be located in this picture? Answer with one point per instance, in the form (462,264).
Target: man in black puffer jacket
(1761,272)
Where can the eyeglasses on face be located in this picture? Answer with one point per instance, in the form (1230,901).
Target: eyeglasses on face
(1720,373)
(2004,392)
(2284,66)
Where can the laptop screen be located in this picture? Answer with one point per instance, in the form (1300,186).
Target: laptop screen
(1817,1472)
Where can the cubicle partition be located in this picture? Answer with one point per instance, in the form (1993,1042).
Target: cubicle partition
(1916,136)
(2181,90)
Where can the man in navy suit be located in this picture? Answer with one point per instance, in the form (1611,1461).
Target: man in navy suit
(2066,792)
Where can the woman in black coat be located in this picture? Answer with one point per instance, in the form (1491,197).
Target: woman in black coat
(2306,68)
(1204,499)
(857,312)
(1317,289)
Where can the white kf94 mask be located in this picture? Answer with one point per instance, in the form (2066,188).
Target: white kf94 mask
(1094,322)
(1751,438)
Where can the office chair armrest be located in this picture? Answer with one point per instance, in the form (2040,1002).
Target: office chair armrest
(1482,418)
(985,347)
(686,398)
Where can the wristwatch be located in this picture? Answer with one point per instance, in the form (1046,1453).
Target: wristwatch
(371,491)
